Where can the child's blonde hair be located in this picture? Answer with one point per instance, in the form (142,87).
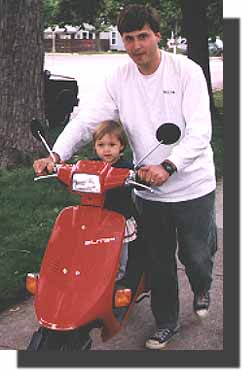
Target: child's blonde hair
(111,128)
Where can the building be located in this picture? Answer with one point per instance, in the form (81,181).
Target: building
(75,39)
(115,39)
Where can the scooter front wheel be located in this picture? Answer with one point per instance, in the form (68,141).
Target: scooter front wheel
(47,340)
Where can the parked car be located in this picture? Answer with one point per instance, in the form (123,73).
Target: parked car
(215,48)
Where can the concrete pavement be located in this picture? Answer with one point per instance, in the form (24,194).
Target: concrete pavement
(18,323)
(90,70)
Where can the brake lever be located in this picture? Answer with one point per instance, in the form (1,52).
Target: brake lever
(132,182)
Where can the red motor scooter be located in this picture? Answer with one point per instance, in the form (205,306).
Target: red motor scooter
(76,289)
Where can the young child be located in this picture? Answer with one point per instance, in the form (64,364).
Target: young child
(109,142)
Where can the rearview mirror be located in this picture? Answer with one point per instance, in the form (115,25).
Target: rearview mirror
(37,128)
(168,133)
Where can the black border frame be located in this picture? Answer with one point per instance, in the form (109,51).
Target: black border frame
(229,357)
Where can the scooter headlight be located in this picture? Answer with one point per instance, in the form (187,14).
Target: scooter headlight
(86,183)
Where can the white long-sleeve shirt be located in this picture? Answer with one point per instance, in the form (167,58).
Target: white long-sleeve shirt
(176,92)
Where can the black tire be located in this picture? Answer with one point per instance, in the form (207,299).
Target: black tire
(47,340)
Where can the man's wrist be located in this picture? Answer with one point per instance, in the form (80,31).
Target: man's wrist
(169,167)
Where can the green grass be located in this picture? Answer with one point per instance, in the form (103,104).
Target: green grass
(217,138)
(28,212)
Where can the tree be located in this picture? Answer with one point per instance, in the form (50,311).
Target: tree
(104,13)
(78,12)
(169,10)
(215,18)
(73,10)
(196,31)
(50,12)
(21,89)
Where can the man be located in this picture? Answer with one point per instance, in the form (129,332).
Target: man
(156,87)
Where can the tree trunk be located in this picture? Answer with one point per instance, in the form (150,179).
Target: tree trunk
(194,14)
(98,41)
(21,82)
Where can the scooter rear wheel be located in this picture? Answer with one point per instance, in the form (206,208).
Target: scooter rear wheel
(45,340)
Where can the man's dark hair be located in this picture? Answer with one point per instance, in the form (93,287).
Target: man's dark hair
(134,17)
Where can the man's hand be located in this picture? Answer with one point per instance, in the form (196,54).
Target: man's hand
(155,175)
(43,165)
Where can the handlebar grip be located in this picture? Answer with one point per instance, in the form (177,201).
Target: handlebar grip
(142,182)
(140,186)
(45,177)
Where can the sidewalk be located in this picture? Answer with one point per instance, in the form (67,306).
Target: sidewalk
(18,323)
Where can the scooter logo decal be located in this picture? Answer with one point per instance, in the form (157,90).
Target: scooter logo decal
(99,241)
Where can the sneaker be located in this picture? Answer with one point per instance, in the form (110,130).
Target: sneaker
(201,304)
(160,338)
(141,296)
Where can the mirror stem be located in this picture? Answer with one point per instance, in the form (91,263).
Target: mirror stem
(46,146)
(147,154)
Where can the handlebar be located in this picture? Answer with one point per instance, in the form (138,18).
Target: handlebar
(55,174)
(130,180)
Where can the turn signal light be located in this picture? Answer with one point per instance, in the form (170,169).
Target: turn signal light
(122,297)
(32,282)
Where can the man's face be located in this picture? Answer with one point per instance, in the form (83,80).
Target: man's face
(142,46)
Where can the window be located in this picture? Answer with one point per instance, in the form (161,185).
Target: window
(84,35)
(114,38)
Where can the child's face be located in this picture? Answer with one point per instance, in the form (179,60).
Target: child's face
(108,148)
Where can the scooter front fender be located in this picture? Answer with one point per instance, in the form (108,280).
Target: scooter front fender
(79,267)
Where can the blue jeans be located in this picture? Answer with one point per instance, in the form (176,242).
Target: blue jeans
(190,227)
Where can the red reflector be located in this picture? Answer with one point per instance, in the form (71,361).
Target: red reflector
(122,297)
(31,282)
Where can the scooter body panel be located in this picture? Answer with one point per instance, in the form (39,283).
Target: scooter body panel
(79,267)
